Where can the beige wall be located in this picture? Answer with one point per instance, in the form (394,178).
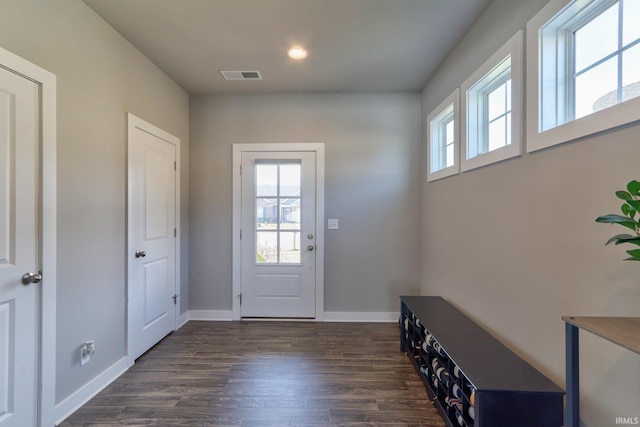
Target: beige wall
(100,77)
(372,156)
(515,245)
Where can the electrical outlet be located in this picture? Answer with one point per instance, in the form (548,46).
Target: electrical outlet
(333,224)
(87,349)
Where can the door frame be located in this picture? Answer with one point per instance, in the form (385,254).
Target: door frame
(134,122)
(46,81)
(238,149)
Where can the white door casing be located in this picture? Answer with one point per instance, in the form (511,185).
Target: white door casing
(27,243)
(276,288)
(153,242)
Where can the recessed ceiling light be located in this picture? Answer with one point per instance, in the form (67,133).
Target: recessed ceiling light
(297,53)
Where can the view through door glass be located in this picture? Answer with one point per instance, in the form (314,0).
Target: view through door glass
(277,216)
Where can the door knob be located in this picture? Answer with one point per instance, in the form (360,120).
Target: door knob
(141,254)
(310,247)
(29,278)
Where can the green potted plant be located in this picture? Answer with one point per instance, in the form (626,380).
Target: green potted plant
(630,219)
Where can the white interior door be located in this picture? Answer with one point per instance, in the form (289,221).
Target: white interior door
(278,234)
(152,235)
(19,235)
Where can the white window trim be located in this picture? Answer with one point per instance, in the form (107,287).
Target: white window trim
(614,116)
(454,99)
(512,47)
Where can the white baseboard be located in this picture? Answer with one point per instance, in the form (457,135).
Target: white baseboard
(72,403)
(329,316)
(219,315)
(361,316)
(182,319)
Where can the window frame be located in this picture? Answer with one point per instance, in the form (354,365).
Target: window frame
(552,59)
(475,97)
(478,106)
(438,117)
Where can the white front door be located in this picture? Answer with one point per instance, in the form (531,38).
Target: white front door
(152,235)
(19,235)
(278,234)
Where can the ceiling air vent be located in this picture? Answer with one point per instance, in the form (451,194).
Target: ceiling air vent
(241,75)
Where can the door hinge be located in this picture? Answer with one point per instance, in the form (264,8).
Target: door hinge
(175,232)
(241,234)
(175,166)
(240,295)
(175,299)
(240,169)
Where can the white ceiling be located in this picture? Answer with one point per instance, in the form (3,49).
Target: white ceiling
(354,45)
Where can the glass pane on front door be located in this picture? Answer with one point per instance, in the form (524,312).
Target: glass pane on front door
(290,247)
(266,180)
(266,213)
(290,179)
(278,212)
(290,214)
(266,247)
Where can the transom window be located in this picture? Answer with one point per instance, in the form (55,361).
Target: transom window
(584,65)
(587,59)
(278,212)
(492,115)
(489,111)
(443,138)
(606,65)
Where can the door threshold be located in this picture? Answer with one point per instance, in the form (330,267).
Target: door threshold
(278,319)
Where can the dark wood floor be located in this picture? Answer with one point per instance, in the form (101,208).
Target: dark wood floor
(267,374)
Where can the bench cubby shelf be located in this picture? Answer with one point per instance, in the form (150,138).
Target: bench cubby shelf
(472,378)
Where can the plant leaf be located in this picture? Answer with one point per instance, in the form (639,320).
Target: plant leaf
(623,195)
(634,187)
(635,254)
(612,219)
(617,219)
(626,209)
(635,204)
(619,238)
(634,240)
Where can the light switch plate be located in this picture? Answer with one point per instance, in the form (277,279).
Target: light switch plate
(333,224)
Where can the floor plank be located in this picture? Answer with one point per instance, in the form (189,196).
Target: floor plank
(255,374)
